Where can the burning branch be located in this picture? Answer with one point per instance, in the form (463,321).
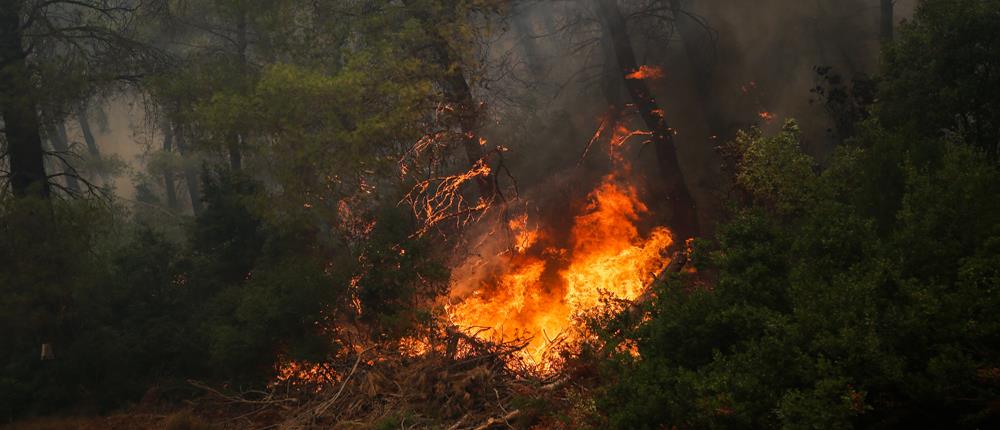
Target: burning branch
(605,121)
(440,199)
(684,220)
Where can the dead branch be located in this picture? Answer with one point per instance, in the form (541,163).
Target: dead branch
(505,419)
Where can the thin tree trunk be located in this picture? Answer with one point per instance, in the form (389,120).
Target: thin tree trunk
(235,155)
(168,171)
(701,63)
(684,219)
(88,137)
(532,55)
(20,116)
(613,92)
(190,173)
(60,145)
(235,146)
(88,134)
(886,20)
(458,95)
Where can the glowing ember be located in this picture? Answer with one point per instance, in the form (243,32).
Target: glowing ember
(766,116)
(538,289)
(440,199)
(623,134)
(304,372)
(646,72)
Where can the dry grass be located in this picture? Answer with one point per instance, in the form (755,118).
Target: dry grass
(185,420)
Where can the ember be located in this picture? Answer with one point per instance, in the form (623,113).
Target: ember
(646,72)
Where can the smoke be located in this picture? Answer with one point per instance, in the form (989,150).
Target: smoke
(123,139)
(728,64)
(547,91)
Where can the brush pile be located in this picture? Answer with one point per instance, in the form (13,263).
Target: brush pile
(447,379)
(458,382)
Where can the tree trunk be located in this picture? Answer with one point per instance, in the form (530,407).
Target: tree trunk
(701,61)
(612,75)
(612,84)
(235,155)
(458,95)
(684,220)
(88,134)
(60,145)
(20,116)
(532,55)
(886,20)
(88,138)
(235,146)
(168,172)
(190,173)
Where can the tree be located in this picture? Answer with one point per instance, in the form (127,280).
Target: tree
(886,20)
(54,54)
(455,85)
(168,172)
(698,42)
(684,220)
(20,111)
(943,73)
(93,150)
(816,318)
(57,137)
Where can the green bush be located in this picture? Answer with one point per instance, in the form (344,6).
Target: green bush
(817,318)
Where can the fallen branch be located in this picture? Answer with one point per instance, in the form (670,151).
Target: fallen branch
(325,405)
(494,421)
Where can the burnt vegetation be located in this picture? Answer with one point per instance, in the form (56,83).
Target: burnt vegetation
(487,214)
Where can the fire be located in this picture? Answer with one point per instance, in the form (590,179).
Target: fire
(440,199)
(646,72)
(537,290)
(623,134)
(304,372)
(766,116)
(524,237)
(609,252)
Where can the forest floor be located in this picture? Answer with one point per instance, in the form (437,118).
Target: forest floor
(460,382)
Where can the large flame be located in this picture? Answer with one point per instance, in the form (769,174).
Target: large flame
(537,290)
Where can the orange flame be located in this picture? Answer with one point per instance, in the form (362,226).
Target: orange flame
(439,199)
(541,288)
(623,134)
(646,72)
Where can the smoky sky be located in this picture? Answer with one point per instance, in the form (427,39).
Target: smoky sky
(743,58)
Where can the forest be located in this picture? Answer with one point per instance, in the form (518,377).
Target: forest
(499,214)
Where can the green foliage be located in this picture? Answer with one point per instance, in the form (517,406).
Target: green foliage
(943,73)
(773,168)
(400,276)
(860,295)
(818,319)
(115,310)
(220,297)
